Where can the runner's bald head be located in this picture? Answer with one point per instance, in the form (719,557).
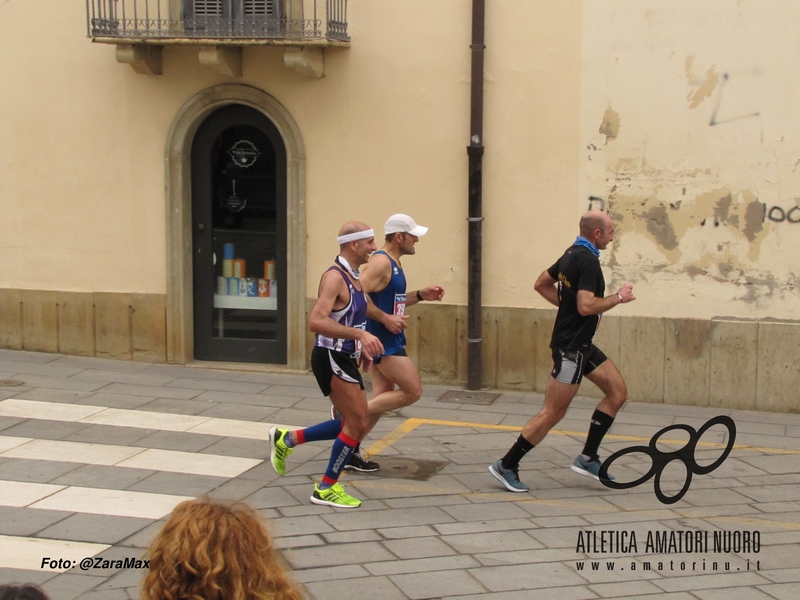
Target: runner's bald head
(593,220)
(350,228)
(353,227)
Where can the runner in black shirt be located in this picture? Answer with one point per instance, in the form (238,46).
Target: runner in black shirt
(576,286)
(578,269)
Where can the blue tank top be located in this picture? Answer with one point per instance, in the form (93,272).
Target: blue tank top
(352,315)
(391,300)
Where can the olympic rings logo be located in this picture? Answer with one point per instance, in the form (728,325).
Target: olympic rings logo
(660,459)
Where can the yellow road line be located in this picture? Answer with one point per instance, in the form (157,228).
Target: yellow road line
(410,425)
(398,433)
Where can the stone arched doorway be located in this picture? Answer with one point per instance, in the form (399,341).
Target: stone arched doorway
(180,329)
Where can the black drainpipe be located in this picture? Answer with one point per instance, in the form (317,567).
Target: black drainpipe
(475,153)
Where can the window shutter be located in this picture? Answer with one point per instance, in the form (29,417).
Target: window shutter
(208,8)
(259,7)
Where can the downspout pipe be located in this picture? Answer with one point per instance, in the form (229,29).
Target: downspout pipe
(475,218)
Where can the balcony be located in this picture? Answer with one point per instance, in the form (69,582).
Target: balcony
(140,28)
(239,22)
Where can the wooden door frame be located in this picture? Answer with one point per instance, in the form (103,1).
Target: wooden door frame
(178,156)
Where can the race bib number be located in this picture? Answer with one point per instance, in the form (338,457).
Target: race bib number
(400,304)
(357,353)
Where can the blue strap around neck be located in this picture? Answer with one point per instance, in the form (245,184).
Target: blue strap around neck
(582,241)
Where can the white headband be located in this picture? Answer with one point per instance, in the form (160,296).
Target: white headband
(352,237)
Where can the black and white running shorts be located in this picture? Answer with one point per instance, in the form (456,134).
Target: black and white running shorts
(569,366)
(327,363)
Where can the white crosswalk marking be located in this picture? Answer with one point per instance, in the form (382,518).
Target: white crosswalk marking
(120,503)
(92,454)
(22,552)
(23,493)
(8,442)
(100,415)
(19,552)
(129,456)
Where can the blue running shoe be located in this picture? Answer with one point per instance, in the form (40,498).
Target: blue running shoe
(589,468)
(508,477)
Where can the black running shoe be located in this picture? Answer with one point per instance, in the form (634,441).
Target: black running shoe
(361,464)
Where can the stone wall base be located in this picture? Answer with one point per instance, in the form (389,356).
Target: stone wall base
(718,363)
(102,324)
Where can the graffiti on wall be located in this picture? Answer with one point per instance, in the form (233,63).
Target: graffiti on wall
(778,214)
(716,119)
(775,213)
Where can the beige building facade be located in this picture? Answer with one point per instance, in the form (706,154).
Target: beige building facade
(118,185)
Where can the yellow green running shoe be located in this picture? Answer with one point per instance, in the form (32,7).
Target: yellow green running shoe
(278,450)
(334,496)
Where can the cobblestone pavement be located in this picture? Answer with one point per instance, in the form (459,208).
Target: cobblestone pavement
(95,453)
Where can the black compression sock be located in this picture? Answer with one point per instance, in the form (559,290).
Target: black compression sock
(600,424)
(520,448)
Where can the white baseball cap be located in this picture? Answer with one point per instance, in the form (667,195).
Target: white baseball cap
(401,223)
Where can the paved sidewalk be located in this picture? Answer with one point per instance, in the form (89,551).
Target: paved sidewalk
(94,453)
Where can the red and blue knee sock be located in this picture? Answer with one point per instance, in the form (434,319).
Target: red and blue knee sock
(343,448)
(327,430)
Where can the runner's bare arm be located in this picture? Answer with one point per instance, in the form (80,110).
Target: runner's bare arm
(376,273)
(375,276)
(589,304)
(430,293)
(546,286)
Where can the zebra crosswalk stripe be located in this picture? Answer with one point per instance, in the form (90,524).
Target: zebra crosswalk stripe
(20,552)
(127,456)
(101,415)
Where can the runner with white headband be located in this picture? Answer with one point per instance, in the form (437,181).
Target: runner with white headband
(339,319)
(358,235)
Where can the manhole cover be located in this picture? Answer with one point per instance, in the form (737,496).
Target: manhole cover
(398,467)
(10,383)
(466,397)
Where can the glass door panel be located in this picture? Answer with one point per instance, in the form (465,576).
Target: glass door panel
(244,235)
(239,238)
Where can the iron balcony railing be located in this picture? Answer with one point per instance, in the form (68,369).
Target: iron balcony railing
(231,20)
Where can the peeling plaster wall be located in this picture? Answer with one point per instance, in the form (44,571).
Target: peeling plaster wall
(689,140)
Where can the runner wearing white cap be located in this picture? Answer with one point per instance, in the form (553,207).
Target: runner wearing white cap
(395,382)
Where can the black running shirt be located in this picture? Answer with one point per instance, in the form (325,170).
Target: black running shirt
(577,269)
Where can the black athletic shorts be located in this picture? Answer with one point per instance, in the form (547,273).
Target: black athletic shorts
(402,352)
(327,363)
(569,366)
